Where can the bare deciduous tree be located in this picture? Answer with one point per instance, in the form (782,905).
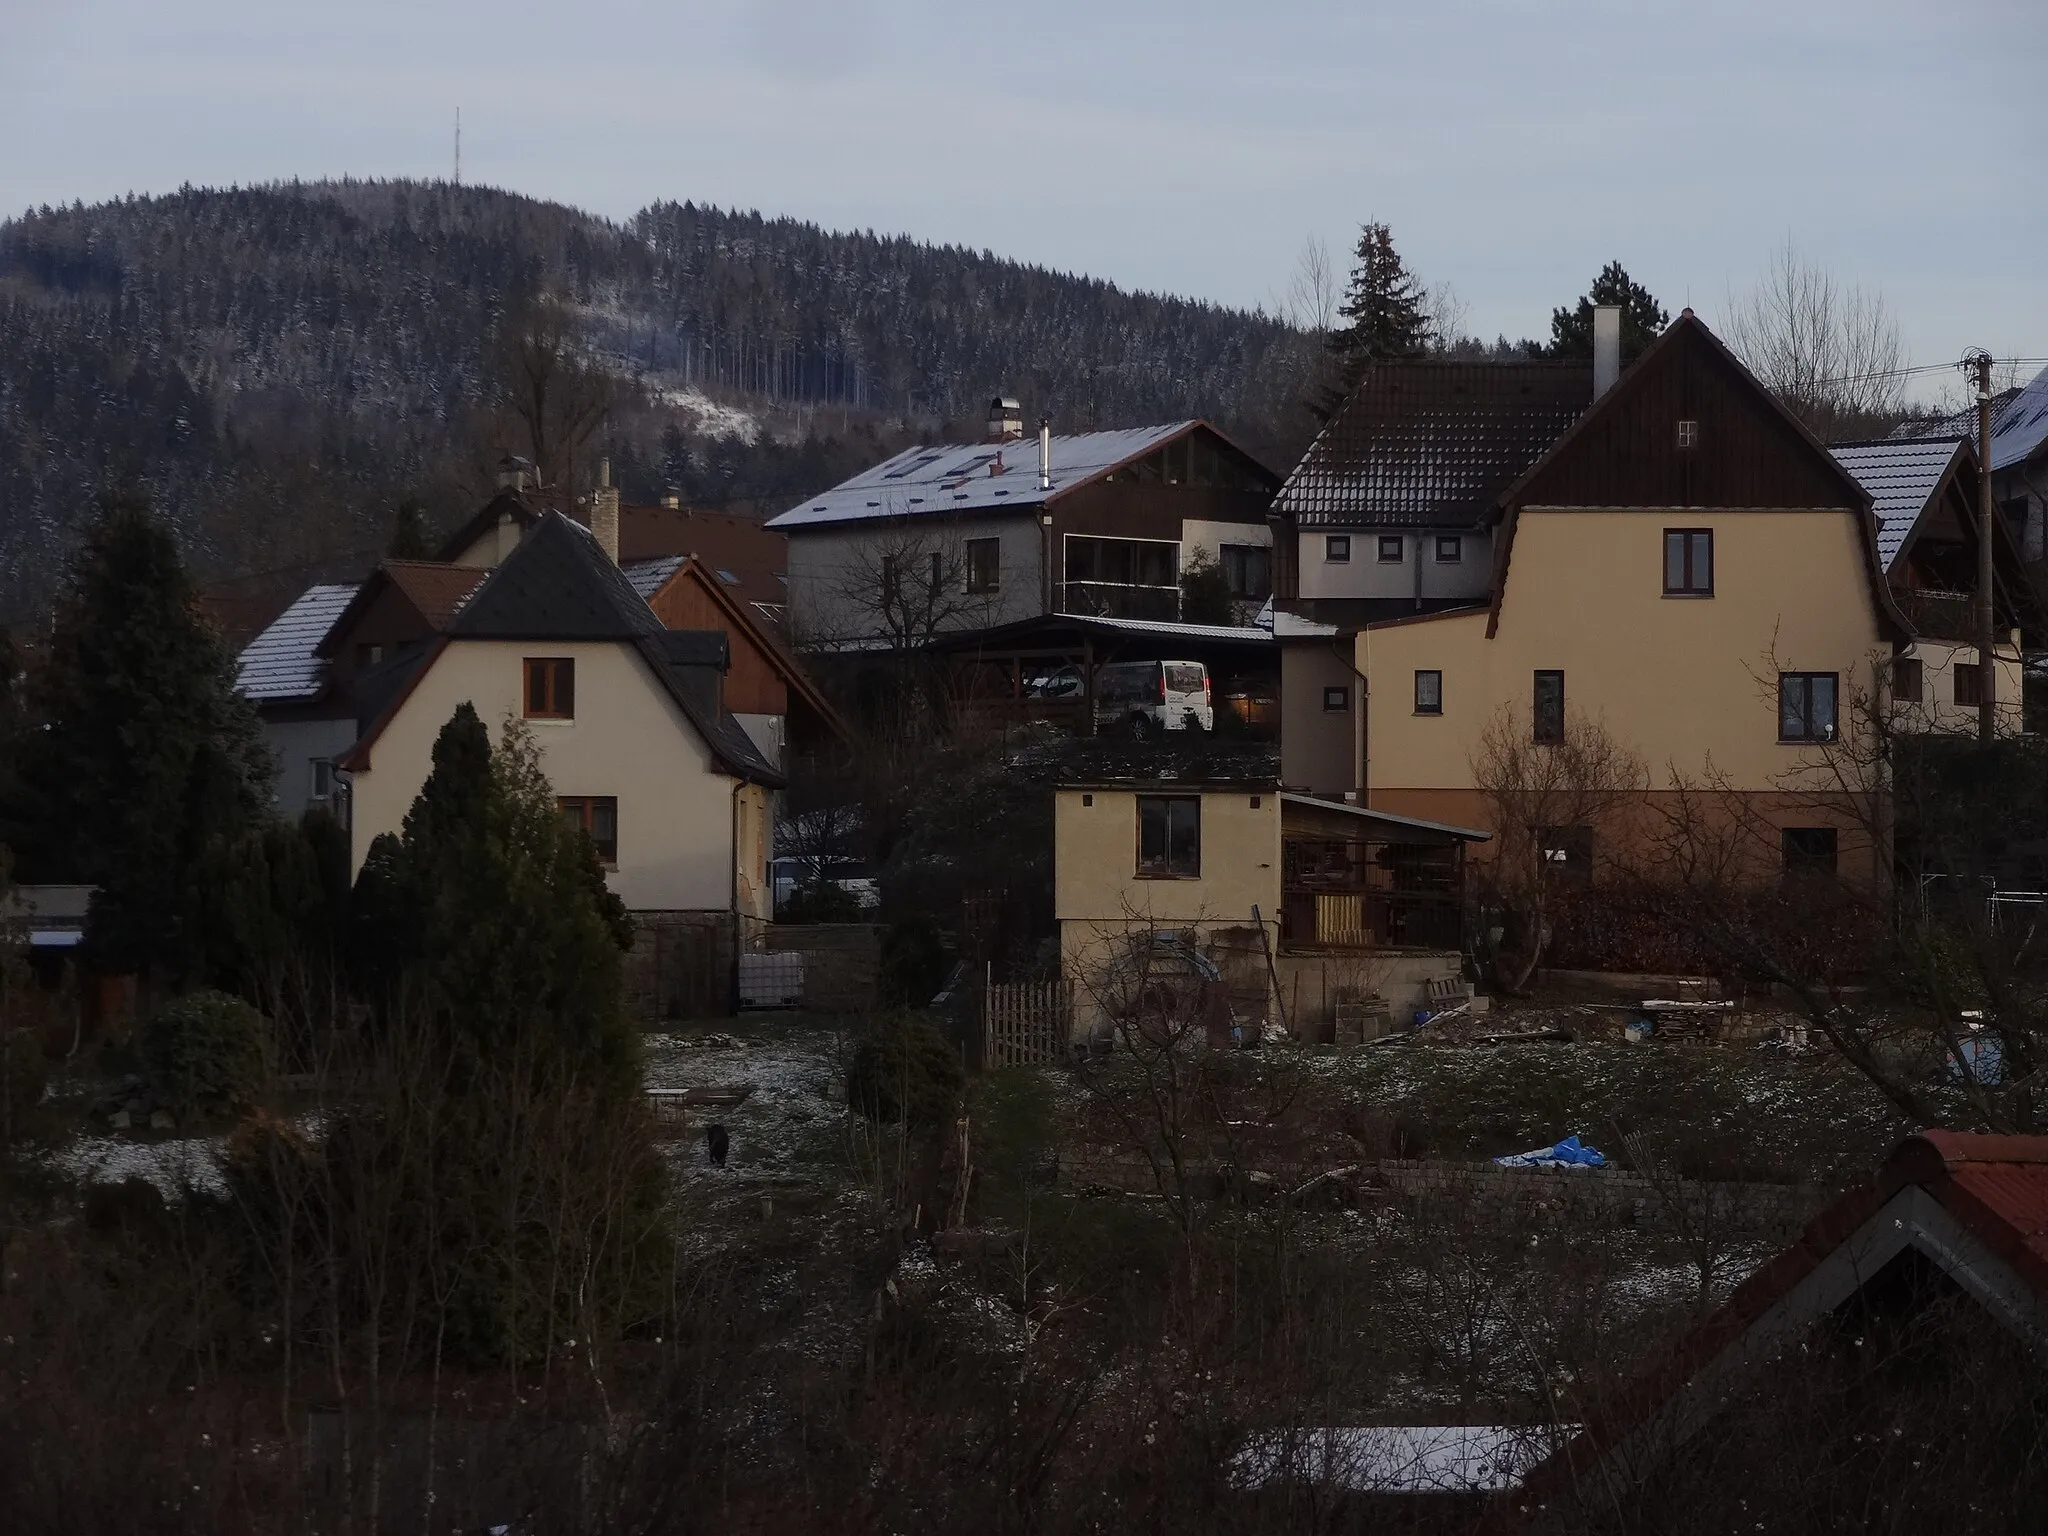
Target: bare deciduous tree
(1831,351)
(1315,290)
(554,395)
(1546,799)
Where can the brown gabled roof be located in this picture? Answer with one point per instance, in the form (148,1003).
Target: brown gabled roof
(437,592)
(1817,466)
(1995,1188)
(740,615)
(748,560)
(1432,444)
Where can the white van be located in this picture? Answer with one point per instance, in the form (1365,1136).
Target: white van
(1145,697)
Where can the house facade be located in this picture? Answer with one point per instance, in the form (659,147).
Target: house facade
(1285,904)
(1392,513)
(630,724)
(1687,570)
(1924,493)
(959,537)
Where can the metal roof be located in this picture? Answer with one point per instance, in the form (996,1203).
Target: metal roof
(953,478)
(2019,424)
(1432,445)
(1412,823)
(279,665)
(1900,475)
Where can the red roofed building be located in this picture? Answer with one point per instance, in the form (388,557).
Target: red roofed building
(1851,1376)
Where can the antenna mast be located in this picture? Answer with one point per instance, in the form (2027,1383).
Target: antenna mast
(458,146)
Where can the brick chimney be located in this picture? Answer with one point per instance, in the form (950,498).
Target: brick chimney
(604,512)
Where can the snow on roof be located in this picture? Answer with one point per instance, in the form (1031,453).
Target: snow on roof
(650,576)
(2022,427)
(2019,423)
(1431,1458)
(956,477)
(279,664)
(1183,631)
(1900,476)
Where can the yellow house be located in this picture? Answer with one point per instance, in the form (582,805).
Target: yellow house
(1686,568)
(1263,894)
(631,731)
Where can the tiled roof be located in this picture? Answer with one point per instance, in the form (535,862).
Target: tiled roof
(557,585)
(751,561)
(650,576)
(2019,423)
(279,665)
(954,477)
(1431,445)
(437,590)
(1900,476)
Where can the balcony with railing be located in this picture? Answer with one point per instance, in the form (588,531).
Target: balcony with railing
(1939,615)
(1118,600)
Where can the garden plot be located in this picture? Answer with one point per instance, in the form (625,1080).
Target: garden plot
(792,1123)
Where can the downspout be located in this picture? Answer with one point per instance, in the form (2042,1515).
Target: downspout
(733,902)
(1420,539)
(1350,664)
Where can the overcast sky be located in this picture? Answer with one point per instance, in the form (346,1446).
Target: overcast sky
(1514,145)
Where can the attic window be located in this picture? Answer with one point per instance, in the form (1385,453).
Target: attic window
(1688,434)
(550,688)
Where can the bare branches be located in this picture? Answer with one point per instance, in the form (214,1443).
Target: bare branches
(1549,801)
(1832,352)
(555,393)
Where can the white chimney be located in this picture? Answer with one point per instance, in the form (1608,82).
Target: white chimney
(1044,453)
(1005,420)
(604,512)
(1606,348)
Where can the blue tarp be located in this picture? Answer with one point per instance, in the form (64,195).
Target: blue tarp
(1569,1153)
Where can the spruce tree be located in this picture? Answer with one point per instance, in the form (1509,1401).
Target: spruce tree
(148,763)
(1383,308)
(410,539)
(1642,318)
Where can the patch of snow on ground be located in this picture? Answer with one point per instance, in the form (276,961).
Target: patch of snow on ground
(710,417)
(172,1166)
(787,1127)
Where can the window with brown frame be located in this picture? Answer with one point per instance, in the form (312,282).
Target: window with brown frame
(1429,691)
(1393,549)
(1548,707)
(1169,837)
(1808,850)
(984,565)
(1337,548)
(597,818)
(1969,683)
(550,688)
(1806,705)
(1908,685)
(1688,562)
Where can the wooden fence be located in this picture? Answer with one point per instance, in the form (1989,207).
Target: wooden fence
(1027,1022)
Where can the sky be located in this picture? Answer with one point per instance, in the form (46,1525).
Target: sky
(1514,146)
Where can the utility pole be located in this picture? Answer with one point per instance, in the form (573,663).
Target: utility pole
(1987,619)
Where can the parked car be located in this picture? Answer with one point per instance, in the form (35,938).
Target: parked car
(1145,697)
(1061,683)
(854,878)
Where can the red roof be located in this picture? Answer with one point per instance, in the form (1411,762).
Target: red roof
(1994,1186)
(436,590)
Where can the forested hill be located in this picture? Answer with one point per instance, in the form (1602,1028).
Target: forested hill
(281,364)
